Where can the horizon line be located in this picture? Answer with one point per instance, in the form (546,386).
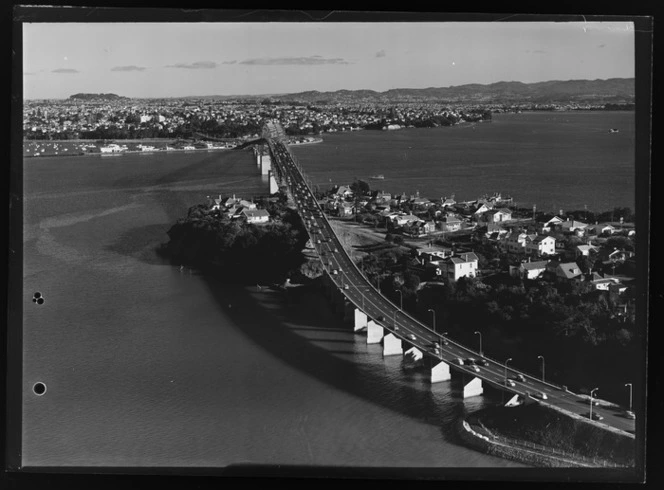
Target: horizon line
(343,89)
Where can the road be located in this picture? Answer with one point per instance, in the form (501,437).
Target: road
(359,291)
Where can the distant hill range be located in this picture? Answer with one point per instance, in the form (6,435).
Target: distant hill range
(613,90)
(97,97)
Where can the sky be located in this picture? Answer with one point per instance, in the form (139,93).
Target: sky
(143,60)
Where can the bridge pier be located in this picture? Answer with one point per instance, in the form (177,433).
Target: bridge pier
(266,164)
(472,385)
(440,372)
(274,187)
(360,320)
(374,332)
(392,345)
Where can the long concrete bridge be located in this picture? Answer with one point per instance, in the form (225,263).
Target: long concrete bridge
(400,333)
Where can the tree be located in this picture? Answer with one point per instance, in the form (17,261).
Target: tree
(360,188)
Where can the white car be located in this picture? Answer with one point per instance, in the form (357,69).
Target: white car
(541,395)
(475,368)
(509,382)
(411,336)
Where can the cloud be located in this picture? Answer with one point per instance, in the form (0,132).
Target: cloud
(536,51)
(232,62)
(128,68)
(601,45)
(302,60)
(196,65)
(64,70)
(381,54)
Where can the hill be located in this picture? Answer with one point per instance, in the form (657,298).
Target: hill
(614,90)
(97,97)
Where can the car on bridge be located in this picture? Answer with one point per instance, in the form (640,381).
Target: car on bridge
(594,416)
(509,382)
(520,377)
(459,361)
(541,395)
(482,362)
(412,337)
(630,415)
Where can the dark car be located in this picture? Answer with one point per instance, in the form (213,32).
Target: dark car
(520,377)
(595,416)
(470,360)
(483,362)
(381,318)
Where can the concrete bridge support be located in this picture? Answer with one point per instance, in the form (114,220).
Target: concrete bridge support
(472,386)
(274,187)
(360,320)
(414,354)
(266,164)
(392,345)
(440,372)
(514,401)
(374,332)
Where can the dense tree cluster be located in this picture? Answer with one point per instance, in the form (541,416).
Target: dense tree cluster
(244,252)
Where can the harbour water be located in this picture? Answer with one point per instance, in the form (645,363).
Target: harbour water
(149,365)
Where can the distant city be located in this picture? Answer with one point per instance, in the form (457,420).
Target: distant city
(111,116)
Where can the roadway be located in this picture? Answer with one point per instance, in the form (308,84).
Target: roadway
(359,291)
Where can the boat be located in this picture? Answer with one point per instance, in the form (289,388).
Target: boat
(377,177)
(112,148)
(614,130)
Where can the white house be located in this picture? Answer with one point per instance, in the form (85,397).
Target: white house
(497,215)
(464,265)
(540,245)
(256,215)
(528,270)
(552,223)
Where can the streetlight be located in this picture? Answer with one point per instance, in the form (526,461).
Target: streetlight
(400,295)
(591,402)
(542,358)
(630,395)
(433,313)
(508,360)
(480,334)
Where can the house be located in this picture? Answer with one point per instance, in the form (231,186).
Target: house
(528,270)
(429,226)
(463,265)
(573,226)
(551,224)
(428,256)
(515,242)
(345,209)
(343,191)
(247,204)
(603,283)
(449,223)
(255,216)
(448,202)
(585,250)
(568,270)
(601,229)
(497,215)
(495,231)
(540,245)
(481,209)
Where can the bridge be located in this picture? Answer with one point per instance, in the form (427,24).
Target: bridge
(402,334)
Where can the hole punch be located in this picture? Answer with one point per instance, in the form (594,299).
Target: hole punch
(38,298)
(39,389)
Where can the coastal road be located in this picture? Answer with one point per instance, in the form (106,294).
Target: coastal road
(359,291)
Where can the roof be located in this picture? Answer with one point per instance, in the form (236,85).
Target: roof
(255,213)
(529,266)
(569,269)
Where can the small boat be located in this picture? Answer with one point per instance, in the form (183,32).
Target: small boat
(614,130)
(377,177)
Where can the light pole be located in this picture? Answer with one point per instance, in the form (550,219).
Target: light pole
(630,395)
(401,296)
(394,317)
(591,402)
(433,313)
(480,334)
(542,358)
(508,360)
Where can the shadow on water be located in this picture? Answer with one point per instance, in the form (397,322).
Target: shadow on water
(141,244)
(273,330)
